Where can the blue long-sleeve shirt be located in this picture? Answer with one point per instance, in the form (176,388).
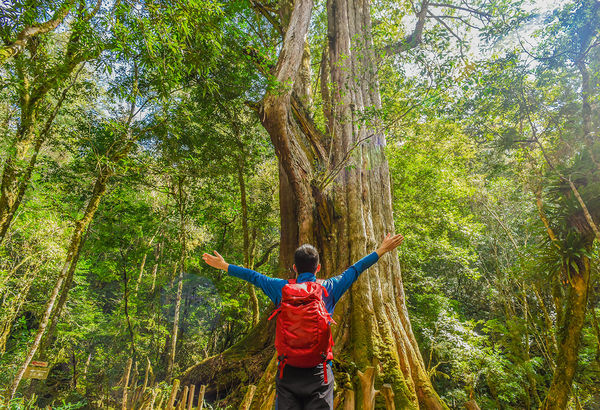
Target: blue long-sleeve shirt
(335,286)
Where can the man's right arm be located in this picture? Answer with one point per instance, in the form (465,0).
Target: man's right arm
(338,285)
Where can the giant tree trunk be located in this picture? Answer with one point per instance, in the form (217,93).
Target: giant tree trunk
(335,193)
(34,88)
(347,209)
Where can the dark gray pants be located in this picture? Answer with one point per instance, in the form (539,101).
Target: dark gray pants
(304,389)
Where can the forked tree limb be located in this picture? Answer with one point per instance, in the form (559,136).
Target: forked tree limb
(15,48)
(276,119)
(268,13)
(309,129)
(413,39)
(265,256)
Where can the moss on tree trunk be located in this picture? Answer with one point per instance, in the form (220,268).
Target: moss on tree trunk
(335,193)
(569,337)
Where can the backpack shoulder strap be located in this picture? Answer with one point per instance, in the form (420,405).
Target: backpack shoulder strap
(320,282)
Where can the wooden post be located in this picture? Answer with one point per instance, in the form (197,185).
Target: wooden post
(201,397)
(471,405)
(271,400)
(174,391)
(126,383)
(153,399)
(191,397)
(337,398)
(160,402)
(367,383)
(248,397)
(388,394)
(349,400)
(183,402)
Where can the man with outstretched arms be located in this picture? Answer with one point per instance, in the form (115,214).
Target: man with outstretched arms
(304,309)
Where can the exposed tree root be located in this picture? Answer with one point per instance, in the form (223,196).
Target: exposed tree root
(237,367)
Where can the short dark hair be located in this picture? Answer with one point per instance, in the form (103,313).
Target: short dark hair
(306,259)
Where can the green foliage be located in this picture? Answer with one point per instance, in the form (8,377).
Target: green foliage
(474,138)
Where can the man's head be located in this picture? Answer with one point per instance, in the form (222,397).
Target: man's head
(306,259)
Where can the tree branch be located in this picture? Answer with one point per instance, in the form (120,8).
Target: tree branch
(308,127)
(267,11)
(443,23)
(467,9)
(412,40)
(586,212)
(14,49)
(265,257)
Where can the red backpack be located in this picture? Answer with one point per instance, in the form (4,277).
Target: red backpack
(303,336)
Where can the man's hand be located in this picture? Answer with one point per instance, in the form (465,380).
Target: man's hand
(216,261)
(389,243)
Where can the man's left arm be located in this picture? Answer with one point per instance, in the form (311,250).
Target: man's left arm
(338,285)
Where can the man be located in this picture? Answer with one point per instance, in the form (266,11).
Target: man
(301,387)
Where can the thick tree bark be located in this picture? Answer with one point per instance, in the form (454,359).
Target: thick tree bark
(335,193)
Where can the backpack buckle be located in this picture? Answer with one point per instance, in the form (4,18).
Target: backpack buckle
(282,360)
